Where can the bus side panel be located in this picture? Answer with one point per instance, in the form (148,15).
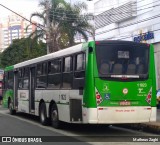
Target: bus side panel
(89,96)
(23,101)
(75,105)
(152,75)
(157,66)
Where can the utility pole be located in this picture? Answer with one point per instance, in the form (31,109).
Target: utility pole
(94,27)
(92,20)
(47,26)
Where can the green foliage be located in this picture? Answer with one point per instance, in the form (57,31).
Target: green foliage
(65,21)
(20,51)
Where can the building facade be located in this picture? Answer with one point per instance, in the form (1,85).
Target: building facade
(131,20)
(14,27)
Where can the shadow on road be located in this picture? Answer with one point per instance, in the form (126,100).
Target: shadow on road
(67,126)
(86,128)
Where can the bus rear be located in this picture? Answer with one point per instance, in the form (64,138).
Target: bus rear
(124,81)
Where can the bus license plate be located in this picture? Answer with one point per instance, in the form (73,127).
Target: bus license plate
(125,103)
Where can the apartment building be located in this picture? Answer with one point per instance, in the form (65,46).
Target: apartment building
(14,27)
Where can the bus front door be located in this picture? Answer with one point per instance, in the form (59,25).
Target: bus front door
(32,90)
(16,89)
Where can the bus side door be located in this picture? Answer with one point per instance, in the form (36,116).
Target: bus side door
(32,90)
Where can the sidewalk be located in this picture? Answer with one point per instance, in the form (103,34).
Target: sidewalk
(153,127)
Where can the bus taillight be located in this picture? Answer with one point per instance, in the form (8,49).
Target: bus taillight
(148,45)
(97,42)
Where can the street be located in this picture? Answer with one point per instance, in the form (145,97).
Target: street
(85,62)
(28,125)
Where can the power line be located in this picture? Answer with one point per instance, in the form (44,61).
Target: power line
(121,5)
(65,18)
(131,11)
(77,19)
(21,16)
(59,13)
(109,6)
(110,14)
(143,20)
(70,19)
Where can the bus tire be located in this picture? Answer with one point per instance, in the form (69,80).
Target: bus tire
(54,117)
(11,110)
(43,114)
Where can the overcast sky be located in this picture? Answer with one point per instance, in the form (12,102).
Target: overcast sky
(20,6)
(28,6)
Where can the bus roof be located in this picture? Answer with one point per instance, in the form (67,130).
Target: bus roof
(70,50)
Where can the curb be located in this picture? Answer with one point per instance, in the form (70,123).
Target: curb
(151,127)
(146,127)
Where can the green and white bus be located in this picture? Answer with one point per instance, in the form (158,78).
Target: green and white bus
(102,82)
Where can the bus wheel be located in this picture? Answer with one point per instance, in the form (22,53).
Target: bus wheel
(54,117)
(43,114)
(11,110)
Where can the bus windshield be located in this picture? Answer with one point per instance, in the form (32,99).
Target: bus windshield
(119,60)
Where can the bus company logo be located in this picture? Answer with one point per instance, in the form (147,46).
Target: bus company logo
(105,87)
(6,139)
(125,91)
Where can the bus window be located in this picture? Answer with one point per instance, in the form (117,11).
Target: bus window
(54,66)
(10,79)
(39,69)
(26,78)
(80,62)
(79,66)
(20,78)
(67,72)
(122,59)
(54,73)
(26,72)
(44,68)
(23,78)
(67,64)
(25,83)
(41,81)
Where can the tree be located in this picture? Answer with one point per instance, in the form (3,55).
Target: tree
(64,22)
(75,23)
(18,51)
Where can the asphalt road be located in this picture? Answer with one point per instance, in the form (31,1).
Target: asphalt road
(28,125)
